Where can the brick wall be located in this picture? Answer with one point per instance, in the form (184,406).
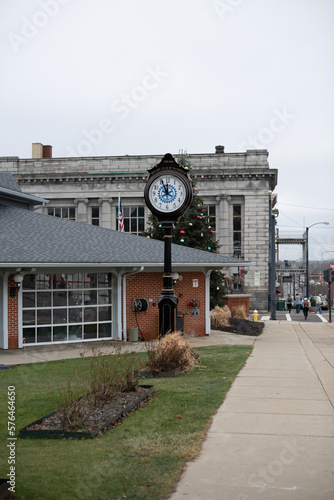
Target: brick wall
(149,285)
(13,327)
(236,301)
(142,285)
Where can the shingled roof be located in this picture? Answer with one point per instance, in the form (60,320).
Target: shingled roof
(10,190)
(29,238)
(7,181)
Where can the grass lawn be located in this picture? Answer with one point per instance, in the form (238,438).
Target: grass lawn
(142,458)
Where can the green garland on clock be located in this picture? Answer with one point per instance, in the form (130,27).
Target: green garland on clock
(193,230)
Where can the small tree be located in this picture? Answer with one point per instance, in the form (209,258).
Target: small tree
(193,230)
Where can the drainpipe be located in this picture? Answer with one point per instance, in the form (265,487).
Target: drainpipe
(207,303)
(4,342)
(122,280)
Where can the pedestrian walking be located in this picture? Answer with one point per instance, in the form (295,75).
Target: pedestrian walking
(318,308)
(306,307)
(298,303)
(289,303)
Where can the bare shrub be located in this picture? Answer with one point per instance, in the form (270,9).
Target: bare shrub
(108,375)
(219,316)
(239,312)
(169,353)
(73,410)
(111,373)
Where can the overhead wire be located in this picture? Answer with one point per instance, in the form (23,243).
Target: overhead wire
(303,206)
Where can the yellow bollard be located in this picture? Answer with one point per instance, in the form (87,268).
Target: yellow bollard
(255,315)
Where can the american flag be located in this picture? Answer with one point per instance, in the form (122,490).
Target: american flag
(120,216)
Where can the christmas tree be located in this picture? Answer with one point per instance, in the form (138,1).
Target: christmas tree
(193,230)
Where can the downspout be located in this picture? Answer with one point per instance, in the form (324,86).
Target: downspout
(19,319)
(5,310)
(207,303)
(122,281)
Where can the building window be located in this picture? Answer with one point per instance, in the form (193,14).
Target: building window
(237,231)
(210,212)
(96,216)
(134,220)
(66,307)
(63,212)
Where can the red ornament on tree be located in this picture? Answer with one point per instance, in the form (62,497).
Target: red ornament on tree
(182,232)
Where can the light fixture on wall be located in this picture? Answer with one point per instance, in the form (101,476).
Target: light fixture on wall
(175,277)
(18,278)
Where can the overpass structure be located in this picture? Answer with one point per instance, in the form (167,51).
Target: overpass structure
(288,274)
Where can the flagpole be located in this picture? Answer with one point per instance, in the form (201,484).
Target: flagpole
(120,213)
(119,206)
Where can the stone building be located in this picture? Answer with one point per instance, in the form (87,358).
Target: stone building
(236,189)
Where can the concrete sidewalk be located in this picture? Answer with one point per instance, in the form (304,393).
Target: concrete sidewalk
(273,437)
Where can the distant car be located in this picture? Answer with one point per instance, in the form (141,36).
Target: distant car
(324,303)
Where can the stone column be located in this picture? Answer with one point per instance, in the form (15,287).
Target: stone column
(223,226)
(113,212)
(256,245)
(82,213)
(106,219)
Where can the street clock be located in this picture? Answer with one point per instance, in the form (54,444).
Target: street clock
(168,191)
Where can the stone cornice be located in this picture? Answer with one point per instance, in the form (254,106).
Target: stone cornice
(207,174)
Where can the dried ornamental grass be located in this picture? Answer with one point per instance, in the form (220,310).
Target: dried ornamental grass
(219,316)
(239,312)
(171,352)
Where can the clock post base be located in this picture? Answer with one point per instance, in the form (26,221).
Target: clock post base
(167,314)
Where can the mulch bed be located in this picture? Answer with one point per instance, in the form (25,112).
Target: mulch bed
(242,327)
(146,373)
(100,418)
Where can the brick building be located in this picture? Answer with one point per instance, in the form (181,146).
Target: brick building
(64,281)
(235,187)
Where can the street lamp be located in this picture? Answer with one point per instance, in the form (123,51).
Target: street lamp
(307,229)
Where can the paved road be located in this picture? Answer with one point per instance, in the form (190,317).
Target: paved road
(312,317)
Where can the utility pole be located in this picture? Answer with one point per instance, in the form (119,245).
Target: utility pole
(272,262)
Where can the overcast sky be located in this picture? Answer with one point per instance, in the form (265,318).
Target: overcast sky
(112,77)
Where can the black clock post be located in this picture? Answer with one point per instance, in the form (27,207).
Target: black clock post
(168,193)
(167,302)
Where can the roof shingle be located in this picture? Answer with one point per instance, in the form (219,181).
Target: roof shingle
(30,237)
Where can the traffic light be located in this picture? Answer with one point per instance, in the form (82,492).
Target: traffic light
(329,275)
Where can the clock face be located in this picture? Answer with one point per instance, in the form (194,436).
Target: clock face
(167,193)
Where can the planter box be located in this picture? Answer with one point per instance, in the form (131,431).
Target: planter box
(62,434)
(235,300)
(149,374)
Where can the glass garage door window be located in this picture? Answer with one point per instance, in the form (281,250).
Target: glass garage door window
(66,307)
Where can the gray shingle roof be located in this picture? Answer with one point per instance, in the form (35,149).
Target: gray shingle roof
(30,237)
(9,189)
(7,181)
